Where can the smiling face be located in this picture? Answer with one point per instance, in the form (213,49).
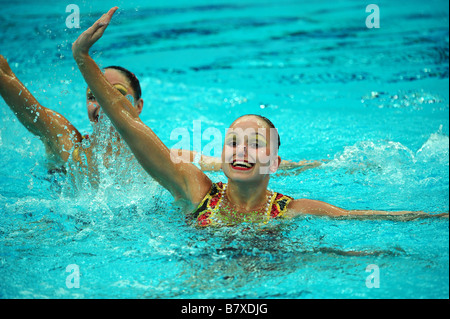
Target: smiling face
(250,151)
(121,83)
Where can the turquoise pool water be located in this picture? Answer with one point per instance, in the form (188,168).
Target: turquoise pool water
(373,102)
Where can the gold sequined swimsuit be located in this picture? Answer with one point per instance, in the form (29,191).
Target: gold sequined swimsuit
(207,210)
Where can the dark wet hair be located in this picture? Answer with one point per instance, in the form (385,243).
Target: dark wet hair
(268,122)
(134,82)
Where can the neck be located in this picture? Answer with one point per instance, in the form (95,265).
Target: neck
(246,196)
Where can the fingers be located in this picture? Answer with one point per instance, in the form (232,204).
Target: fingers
(3,60)
(103,21)
(82,45)
(111,13)
(101,24)
(4,66)
(106,18)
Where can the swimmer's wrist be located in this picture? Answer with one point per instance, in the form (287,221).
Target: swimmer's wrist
(80,52)
(5,70)
(82,59)
(80,55)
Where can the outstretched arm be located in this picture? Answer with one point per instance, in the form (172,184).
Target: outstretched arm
(301,207)
(211,163)
(56,132)
(183,180)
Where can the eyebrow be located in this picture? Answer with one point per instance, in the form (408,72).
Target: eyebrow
(252,135)
(119,87)
(230,136)
(260,137)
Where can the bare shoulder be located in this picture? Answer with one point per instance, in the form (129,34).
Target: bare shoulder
(296,207)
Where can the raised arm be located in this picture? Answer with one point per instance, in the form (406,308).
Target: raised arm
(301,207)
(183,180)
(55,131)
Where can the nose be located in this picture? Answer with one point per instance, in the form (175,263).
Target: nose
(93,104)
(93,111)
(241,149)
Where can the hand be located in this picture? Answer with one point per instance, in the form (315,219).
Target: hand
(4,67)
(84,42)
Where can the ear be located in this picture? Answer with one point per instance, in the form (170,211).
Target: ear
(274,165)
(139,105)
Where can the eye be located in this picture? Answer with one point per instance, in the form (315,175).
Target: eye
(123,92)
(121,89)
(256,143)
(232,141)
(90,96)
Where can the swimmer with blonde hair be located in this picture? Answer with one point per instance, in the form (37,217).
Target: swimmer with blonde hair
(249,157)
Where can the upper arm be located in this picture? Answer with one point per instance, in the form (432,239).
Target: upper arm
(56,132)
(313,207)
(182,179)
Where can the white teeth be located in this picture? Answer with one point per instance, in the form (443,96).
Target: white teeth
(248,165)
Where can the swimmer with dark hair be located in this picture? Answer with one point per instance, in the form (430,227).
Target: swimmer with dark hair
(249,158)
(63,141)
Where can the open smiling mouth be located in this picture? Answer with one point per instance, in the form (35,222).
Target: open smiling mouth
(242,165)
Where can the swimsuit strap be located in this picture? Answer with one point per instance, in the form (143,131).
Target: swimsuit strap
(280,205)
(76,151)
(210,204)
